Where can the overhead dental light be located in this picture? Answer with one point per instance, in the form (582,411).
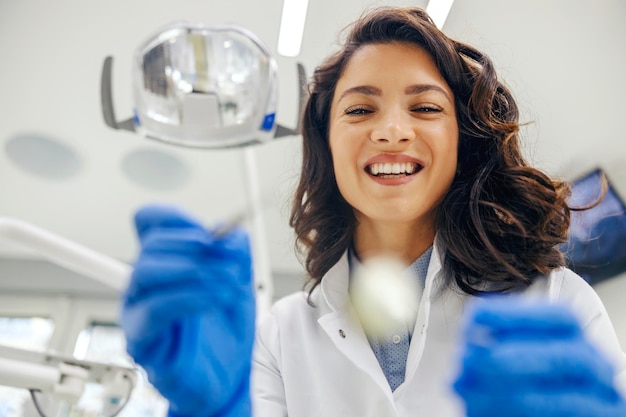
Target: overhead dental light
(202,86)
(209,87)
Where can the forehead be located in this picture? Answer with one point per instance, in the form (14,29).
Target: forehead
(374,64)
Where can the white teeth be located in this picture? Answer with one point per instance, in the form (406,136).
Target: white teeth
(392,168)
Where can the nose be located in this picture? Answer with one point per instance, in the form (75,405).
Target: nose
(393,127)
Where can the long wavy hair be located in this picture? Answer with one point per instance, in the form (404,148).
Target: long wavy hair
(501,221)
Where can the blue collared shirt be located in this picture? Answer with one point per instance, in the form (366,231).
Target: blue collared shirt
(392,351)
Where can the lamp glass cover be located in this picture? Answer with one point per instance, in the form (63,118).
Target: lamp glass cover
(205,86)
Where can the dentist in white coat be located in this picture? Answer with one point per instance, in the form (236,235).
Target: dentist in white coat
(410,149)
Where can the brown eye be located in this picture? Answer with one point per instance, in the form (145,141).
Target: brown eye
(427,109)
(357,111)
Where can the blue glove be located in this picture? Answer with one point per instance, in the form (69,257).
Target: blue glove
(189,314)
(524,359)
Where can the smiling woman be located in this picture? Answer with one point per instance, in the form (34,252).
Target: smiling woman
(410,150)
(446,98)
(385,124)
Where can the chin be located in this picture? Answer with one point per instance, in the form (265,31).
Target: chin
(395,215)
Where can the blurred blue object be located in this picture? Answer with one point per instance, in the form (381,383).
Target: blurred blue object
(529,359)
(189,313)
(596,248)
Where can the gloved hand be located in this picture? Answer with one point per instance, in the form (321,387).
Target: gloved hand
(189,314)
(531,359)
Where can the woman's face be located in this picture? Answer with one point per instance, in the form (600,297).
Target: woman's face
(393,134)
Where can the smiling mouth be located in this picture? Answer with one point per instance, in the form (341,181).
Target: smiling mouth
(393,170)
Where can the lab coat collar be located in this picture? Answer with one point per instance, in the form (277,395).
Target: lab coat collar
(434,267)
(340,324)
(335,284)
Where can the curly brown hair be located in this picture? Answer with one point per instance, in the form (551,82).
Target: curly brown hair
(501,221)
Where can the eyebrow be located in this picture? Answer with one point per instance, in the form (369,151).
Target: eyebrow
(369,90)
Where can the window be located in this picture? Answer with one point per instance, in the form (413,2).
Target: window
(31,333)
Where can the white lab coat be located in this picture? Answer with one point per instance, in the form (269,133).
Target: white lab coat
(314,361)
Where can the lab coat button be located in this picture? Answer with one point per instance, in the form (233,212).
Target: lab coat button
(342,334)
(396,339)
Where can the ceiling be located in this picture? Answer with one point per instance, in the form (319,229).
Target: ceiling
(63,170)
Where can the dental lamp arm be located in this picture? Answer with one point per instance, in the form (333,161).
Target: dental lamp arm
(64,252)
(49,372)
